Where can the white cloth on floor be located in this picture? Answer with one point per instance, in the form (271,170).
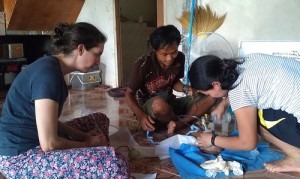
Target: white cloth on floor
(219,165)
(162,150)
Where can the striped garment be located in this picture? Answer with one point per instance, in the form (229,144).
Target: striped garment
(268,81)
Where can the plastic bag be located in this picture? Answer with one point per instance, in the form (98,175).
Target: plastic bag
(162,149)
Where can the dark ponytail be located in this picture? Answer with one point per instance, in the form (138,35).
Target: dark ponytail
(207,69)
(67,37)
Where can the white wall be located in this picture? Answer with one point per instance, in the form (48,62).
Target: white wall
(101,13)
(246,20)
(249,20)
(172,11)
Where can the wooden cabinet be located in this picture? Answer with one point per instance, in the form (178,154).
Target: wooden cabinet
(1,6)
(40,15)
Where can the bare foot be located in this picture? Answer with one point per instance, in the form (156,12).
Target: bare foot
(175,126)
(288,164)
(171,127)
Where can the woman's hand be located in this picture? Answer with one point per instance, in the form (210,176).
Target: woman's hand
(203,139)
(95,139)
(204,143)
(92,133)
(211,149)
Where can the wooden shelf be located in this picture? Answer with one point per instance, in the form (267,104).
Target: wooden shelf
(40,15)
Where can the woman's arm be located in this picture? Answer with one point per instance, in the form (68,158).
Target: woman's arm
(247,126)
(46,111)
(71,133)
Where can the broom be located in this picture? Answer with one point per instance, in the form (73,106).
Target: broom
(202,23)
(205,20)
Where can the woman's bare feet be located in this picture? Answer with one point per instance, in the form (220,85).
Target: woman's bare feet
(288,164)
(291,163)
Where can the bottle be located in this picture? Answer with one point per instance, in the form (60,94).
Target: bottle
(226,117)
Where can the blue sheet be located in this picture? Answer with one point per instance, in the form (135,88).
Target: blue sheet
(187,159)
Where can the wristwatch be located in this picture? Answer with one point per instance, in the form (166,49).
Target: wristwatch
(213,137)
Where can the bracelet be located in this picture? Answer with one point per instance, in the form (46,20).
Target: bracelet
(213,137)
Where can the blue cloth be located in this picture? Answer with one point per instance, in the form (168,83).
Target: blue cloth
(187,159)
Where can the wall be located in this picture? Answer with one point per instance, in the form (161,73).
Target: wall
(134,33)
(248,20)
(133,9)
(101,13)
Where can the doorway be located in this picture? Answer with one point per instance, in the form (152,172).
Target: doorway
(135,21)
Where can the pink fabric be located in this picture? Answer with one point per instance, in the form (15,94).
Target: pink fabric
(93,162)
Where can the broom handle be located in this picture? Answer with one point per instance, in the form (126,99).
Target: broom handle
(187,61)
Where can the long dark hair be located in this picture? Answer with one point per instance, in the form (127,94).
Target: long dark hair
(164,35)
(67,37)
(207,69)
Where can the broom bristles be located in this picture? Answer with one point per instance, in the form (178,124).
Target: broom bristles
(205,20)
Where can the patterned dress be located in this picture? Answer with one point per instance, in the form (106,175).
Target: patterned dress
(95,162)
